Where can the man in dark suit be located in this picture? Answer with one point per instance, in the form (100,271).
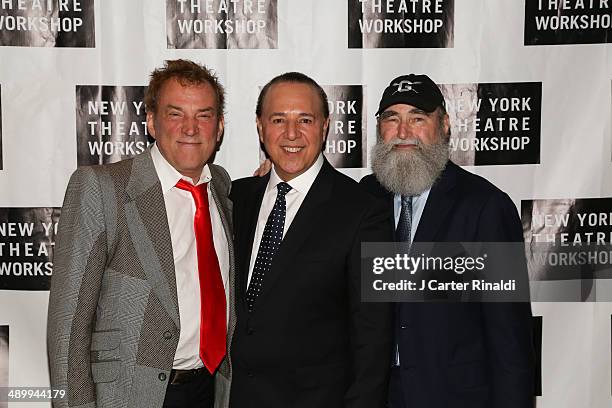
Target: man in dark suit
(303,337)
(447,355)
(141,301)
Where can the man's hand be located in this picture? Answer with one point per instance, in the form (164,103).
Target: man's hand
(263,169)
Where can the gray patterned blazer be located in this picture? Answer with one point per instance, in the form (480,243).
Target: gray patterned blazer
(113,324)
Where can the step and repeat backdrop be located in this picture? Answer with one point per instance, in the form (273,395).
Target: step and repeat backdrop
(528,90)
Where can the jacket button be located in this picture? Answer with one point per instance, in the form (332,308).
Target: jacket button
(250,374)
(167,335)
(403,326)
(162,377)
(250,331)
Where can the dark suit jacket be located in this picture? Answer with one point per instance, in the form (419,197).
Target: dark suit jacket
(471,355)
(310,342)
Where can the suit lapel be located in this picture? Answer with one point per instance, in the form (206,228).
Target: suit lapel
(147,221)
(384,194)
(441,199)
(301,227)
(224,205)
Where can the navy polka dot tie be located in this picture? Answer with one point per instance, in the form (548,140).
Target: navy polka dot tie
(270,241)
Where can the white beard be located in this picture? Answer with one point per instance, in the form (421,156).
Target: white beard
(410,172)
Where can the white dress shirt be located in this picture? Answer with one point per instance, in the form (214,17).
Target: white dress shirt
(294,198)
(180,208)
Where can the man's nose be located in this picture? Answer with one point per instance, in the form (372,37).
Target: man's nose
(190,126)
(292,132)
(404,131)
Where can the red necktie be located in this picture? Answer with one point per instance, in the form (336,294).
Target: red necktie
(212,295)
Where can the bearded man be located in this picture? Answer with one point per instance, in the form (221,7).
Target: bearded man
(455,355)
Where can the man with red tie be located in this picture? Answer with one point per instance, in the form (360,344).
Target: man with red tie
(141,293)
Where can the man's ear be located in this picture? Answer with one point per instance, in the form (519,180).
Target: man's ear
(221,127)
(259,129)
(446,124)
(151,124)
(325,129)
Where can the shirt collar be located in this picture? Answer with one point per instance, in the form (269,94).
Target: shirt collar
(169,176)
(301,183)
(417,197)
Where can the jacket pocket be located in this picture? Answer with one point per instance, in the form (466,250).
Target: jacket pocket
(105,357)
(105,371)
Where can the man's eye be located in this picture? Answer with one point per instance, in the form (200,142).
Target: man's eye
(306,120)
(277,121)
(204,116)
(390,119)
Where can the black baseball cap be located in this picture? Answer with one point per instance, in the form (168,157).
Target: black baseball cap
(415,90)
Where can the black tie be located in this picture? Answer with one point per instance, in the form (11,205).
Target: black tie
(270,241)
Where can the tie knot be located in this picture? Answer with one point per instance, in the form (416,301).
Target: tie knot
(283,188)
(407,200)
(199,192)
